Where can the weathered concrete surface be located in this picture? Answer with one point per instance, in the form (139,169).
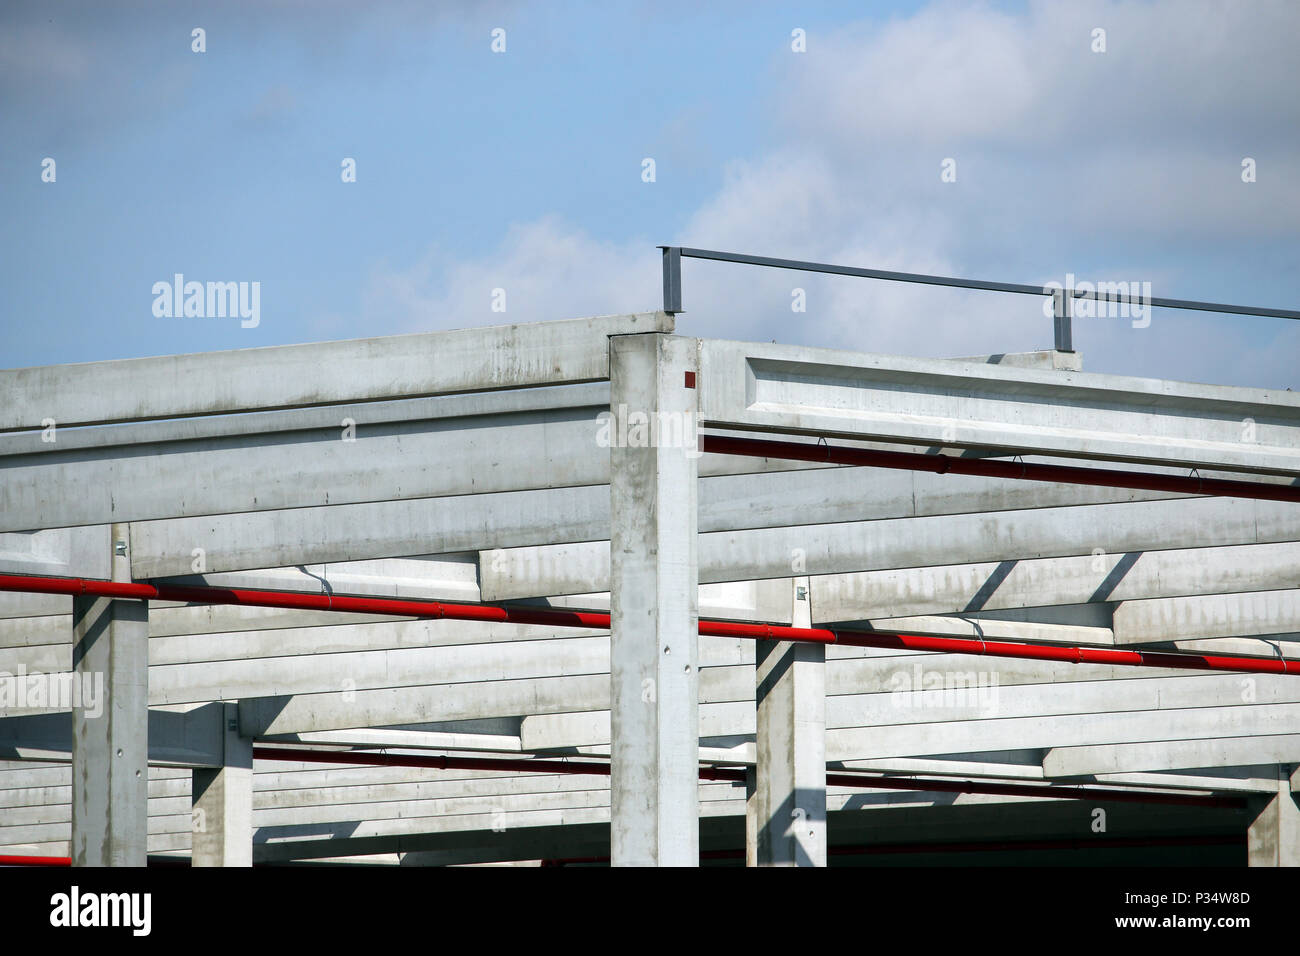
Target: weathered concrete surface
(786,825)
(1274,835)
(110,750)
(288,376)
(223,802)
(653,594)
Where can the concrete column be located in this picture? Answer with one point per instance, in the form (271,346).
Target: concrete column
(110,750)
(786,810)
(751,816)
(654,601)
(1274,836)
(223,802)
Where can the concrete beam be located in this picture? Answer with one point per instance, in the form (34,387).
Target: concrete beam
(414,739)
(321,640)
(1045,582)
(1145,726)
(735,493)
(1047,358)
(186,737)
(1210,616)
(345,710)
(289,376)
(1125,757)
(61,552)
(440,671)
(348,708)
(824,392)
(1112,529)
(446,577)
(761,601)
(342,532)
(343,455)
(907,695)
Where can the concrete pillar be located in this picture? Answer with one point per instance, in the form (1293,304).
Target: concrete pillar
(654,601)
(110,750)
(223,802)
(1274,836)
(751,816)
(786,809)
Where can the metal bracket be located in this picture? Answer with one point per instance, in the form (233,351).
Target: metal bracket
(1061,318)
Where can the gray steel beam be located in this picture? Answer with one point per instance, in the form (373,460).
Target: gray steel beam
(1098,295)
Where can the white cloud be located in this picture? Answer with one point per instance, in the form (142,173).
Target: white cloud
(548,271)
(1061,151)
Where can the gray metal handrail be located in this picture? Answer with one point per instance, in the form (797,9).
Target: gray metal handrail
(673,255)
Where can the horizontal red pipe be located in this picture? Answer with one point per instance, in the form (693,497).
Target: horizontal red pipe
(996,468)
(1059,791)
(596,768)
(738,775)
(601,620)
(151,862)
(303,601)
(1072,655)
(434,761)
(1100,843)
(35,860)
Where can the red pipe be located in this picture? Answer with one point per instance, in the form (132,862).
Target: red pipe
(994,468)
(600,620)
(1060,791)
(434,761)
(35,861)
(1100,843)
(1072,655)
(303,601)
(738,775)
(151,861)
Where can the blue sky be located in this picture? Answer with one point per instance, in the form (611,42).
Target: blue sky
(522,170)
